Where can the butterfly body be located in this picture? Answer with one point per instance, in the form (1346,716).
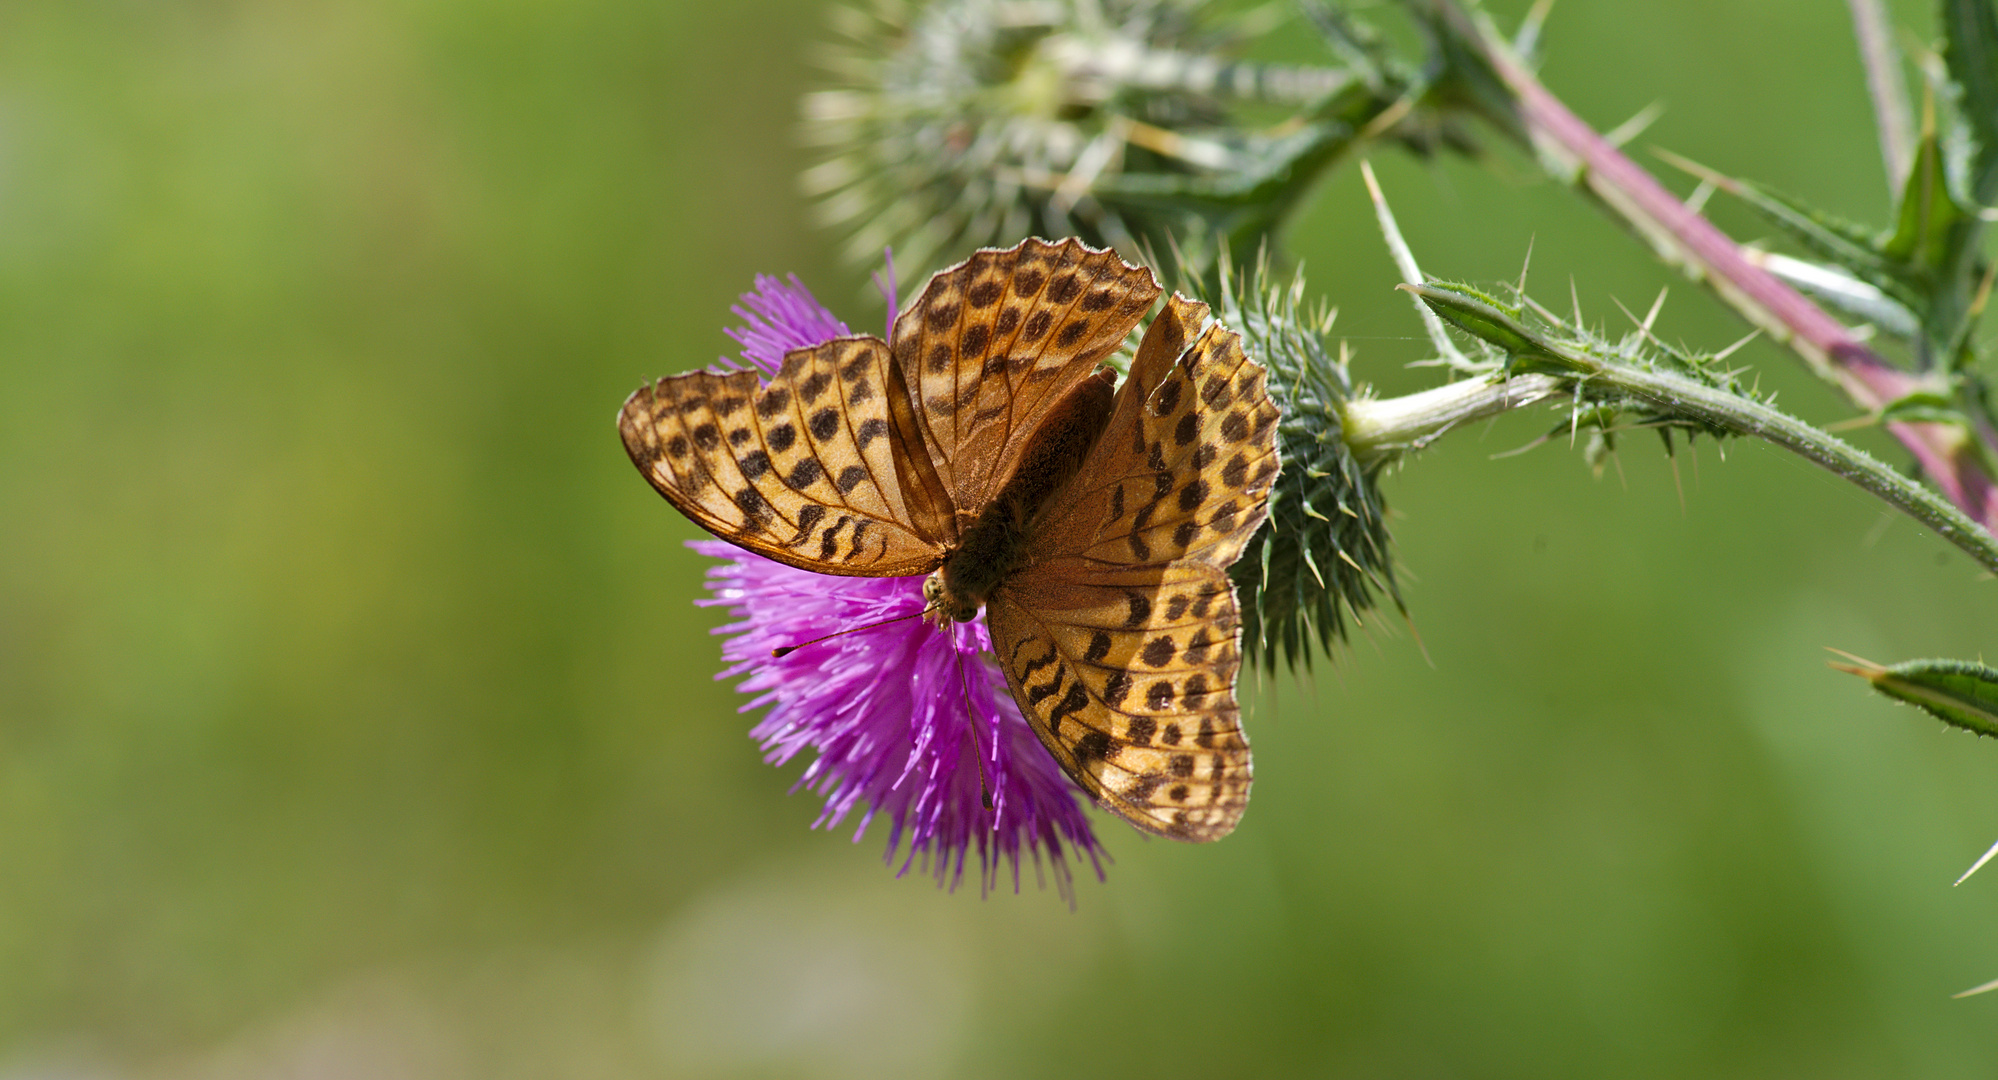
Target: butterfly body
(996,545)
(984,448)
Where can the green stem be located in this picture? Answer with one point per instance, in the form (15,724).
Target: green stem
(1676,395)
(1681,396)
(1375,428)
(1575,153)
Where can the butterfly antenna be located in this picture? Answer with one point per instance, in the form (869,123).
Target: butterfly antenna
(977,752)
(782,651)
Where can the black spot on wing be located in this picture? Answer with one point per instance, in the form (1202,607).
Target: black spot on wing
(1235,472)
(756,512)
(1187,430)
(1027,672)
(870,430)
(975,338)
(1235,427)
(1046,690)
(829,540)
(1094,746)
(1099,647)
(804,475)
(1197,646)
(1192,495)
(808,519)
(1074,701)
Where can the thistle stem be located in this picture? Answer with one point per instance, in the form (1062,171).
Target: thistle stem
(1947,453)
(1679,397)
(1745,416)
(1892,117)
(1378,427)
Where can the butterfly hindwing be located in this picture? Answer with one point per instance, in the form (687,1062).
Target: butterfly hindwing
(994,342)
(1120,636)
(1129,679)
(821,468)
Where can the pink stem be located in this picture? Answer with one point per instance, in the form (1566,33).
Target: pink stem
(1946,452)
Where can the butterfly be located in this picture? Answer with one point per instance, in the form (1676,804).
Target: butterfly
(986,446)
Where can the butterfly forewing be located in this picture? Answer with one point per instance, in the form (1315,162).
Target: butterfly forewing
(1200,485)
(1184,468)
(993,343)
(1129,677)
(820,469)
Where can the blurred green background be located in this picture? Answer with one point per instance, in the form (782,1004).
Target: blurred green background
(355,720)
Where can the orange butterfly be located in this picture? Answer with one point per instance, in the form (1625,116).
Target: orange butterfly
(986,448)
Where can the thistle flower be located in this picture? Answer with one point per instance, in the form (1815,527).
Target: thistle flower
(903,718)
(1322,557)
(960,123)
(908,722)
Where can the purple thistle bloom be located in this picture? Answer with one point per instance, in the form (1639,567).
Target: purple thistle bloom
(908,721)
(777,317)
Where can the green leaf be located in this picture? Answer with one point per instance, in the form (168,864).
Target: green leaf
(1840,289)
(1922,408)
(1852,247)
(1928,265)
(1484,317)
(1928,235)
(1960,693)
(1970,51)
(1268,176)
